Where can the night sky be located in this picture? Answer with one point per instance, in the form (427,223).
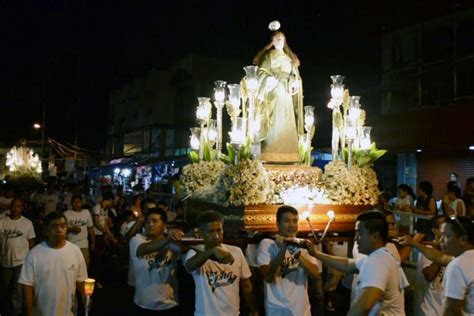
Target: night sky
(70,54)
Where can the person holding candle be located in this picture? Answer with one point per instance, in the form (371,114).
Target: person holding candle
(80,227)
(154,258)
(285,268)
(52,272)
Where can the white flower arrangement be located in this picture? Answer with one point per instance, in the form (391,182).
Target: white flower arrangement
(357,187)
(304,195)
(248,183)
(202,177)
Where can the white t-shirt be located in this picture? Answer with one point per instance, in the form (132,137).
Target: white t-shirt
(53,274)
(156,282)
(288,293)
(404,220)
(428,295)
(459,280)
(14,235)
(83,220)
(217,285)
(103,215)
(381,270)
(49,201)
(356,255)
(454,206)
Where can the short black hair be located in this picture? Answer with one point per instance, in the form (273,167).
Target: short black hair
(469,180)
(17,198)
(456,190)
(108,196)
(462,225)
(163,202)
(375,222)
(426,187)
(209,217)
(146,201)
(285,209)
(76,196)
(159,211)
(53,216)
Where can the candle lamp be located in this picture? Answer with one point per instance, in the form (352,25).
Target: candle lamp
(234,100)
(237,136)
(219,97)
(365,141)
(88,290)
(332,218)
(350,132)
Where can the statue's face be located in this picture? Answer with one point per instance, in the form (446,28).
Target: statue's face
(278,41)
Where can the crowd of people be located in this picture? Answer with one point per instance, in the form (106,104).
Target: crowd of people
(50,244)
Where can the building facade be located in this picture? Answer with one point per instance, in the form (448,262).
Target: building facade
(428,100)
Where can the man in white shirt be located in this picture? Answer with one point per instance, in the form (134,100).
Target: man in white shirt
(285,268)
(428,285)
(381,281)
(155,257)
(16,238)
(52,272)
(100,216)
(219,271)
(49,200)
(80,227)
(457,244)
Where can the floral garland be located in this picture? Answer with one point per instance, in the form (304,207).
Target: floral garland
(357,187)
(198,178)
(248,183)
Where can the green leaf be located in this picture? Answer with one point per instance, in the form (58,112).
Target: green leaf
(193,156)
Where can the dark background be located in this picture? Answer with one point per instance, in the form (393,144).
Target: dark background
(68,55)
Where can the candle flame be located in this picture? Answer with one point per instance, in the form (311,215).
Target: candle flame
(306,215)
(330,214)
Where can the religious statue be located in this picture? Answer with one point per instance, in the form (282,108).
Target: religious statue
(279,101)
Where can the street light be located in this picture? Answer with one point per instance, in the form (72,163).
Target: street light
(36,126)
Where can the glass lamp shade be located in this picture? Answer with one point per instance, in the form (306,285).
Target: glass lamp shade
(212,131)
(350,130)
(237,134)
(234,95)
(194,138)
(308,116)
(89,286)
(303,141)
(337,86)
(203,111)
(219,91)
(365,141)
(354,101)
(251,77)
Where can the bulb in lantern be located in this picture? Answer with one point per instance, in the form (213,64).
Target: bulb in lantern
(331,215)
(306,215)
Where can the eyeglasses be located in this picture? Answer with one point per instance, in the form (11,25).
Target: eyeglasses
(455,218)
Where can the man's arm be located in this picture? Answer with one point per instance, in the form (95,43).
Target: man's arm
(453,307)
(271,270)
(199,259)
(247,293)
(309,266)
(28,299)
(339,263)
(104,229)
(31,242)
(134,229)
(431,253)
(365,301)
(431,271)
